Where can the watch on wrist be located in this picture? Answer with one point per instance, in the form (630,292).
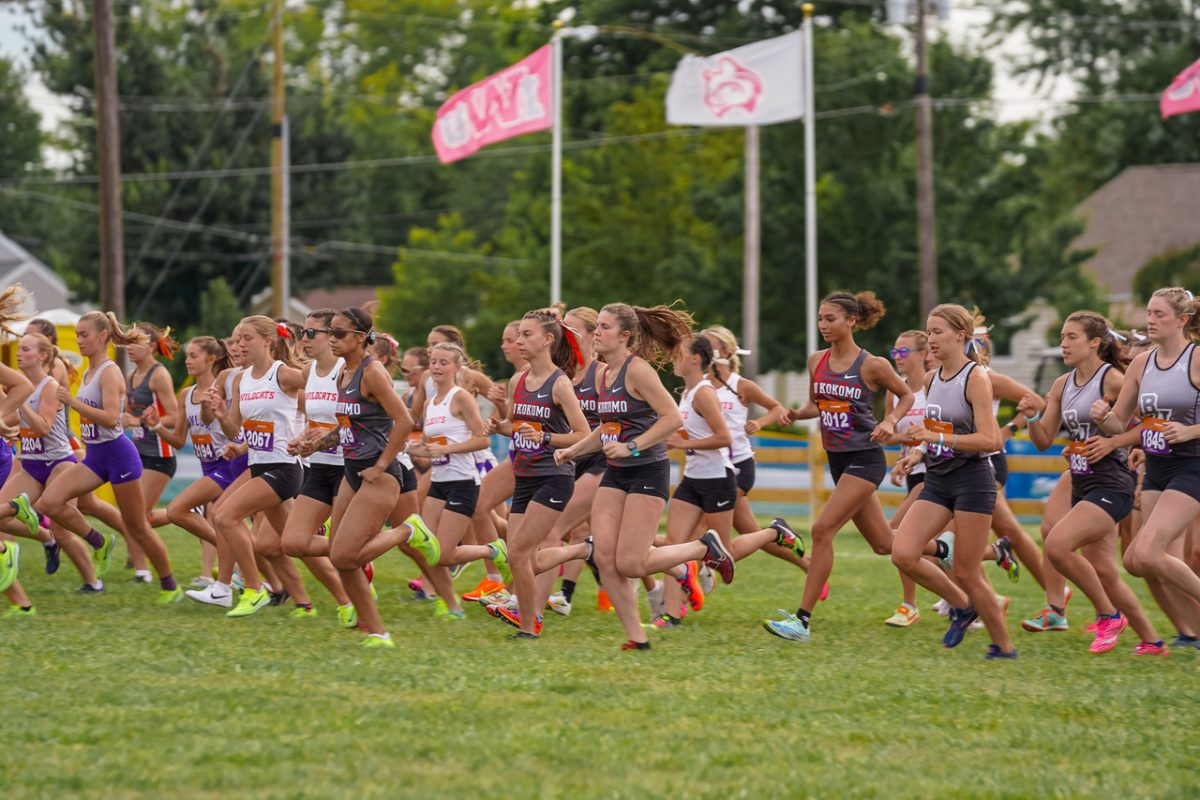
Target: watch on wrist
(545,438)
(633,448)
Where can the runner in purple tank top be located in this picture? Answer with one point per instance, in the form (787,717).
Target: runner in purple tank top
(111,458)
(17,389)
(843,381)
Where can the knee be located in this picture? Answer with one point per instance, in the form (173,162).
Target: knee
(882,547)
(292,547)
(628,566)
(905,561)
(268,547)
(822,533)
(49,506)
(177,513)
(966,575)
(1134,564)
(342,558)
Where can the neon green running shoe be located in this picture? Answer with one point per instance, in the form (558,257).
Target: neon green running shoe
(347,616)
(500,559)
(250,602)
(300,612)
(10,565)
(167,597)
(423,541)
(25,513)
(16,612)
(102,558)
(442,611)
(383,640)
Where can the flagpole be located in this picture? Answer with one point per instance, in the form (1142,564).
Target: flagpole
(750,255)
(556,168)
(816,472)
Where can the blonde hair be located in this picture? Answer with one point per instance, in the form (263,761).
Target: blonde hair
(49,352)
(106,322)
(281,348)
(729,346)
(587,315)
(12,299)
(460,357)
(1183,303)
(963,321)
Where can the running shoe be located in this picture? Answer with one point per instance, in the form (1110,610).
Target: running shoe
(484,587)
(53,553)
(960,623)
(719,560)
(500,559)
(416,585)
(458,569)
(169,597)
(1182,640)
(787,537)
(25,513)
(631,646)
(790,627)
(663,622)
(378,640)
(1046,620)
(16,612)
(691,586)
(559,604)
(214,595)
(1151,649)
(523,636)
(303,612)
(89,588)
(201,582)
(277,598)
(102,557)
(497,598)
(947,538)
(368,569)
(347,616)
(422,540)
(1109,632)
(603,603)
(904,616)
(514,618)
(994,653)
(942,608)
(10,565)
(591,558)
(142,576)
(442,610)
(707,581)
(657,601)
(1006,560)
(824,592)
(236,581)
(250,602)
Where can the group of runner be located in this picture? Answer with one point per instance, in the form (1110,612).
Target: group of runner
(311,452)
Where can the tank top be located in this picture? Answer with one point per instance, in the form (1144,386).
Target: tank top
(913,419)
(1168,395)
(537,408)
(700,464)
(735,414)
(588,395)
(268,417)
(229,381)
(320,407)
(623,418)
(442,427)
(364,424)
(947,411)
(208,440)
(141,397)
(90,395)
(844,400)
(1110,472)
(52,446)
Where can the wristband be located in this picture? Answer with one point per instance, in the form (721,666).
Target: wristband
(1012,426)
(1034,418)
(941,441)
(546,439)
(633,448)
(922,448)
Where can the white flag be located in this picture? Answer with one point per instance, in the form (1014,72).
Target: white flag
(758,84)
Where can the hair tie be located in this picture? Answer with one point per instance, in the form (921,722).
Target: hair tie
(741,352)
(982,330)
(387,337)
(283,330)
(722,361)
(972,345)
(1113,333)
(1138,337)
(1190,295)
(569,335)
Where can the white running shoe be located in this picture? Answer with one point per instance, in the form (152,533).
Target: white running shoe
(942,608)
(496,598)
(658,604)
(215,595)
(707,582)
(559,605)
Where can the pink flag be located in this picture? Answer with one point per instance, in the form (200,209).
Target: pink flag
(514,101)
(1183,95)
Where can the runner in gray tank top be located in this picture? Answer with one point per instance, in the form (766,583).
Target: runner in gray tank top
(960,485)
(1161,387)
(1101,483)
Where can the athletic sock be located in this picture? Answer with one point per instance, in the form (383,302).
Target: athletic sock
(804,616)
(167,583)
(1060,610)
(495,551)
(304,605)
(94,538)
(26,608)
(495,577)
(942,549)
(568,590)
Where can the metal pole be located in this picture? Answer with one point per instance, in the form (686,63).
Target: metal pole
(108,146)
(926,235)
(279,194)
(816,471)
(750,267)
(556,169)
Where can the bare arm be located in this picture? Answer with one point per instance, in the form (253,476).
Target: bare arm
(1042,432)
(41,419)
(17,389)
(377,385)
(1114,420)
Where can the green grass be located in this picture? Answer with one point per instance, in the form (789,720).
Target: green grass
(116,697)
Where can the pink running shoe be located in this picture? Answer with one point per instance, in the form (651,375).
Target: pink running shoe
(416,585)
(1110,629)
(1151,649)
(1093,626)
(824,592)
(369,570)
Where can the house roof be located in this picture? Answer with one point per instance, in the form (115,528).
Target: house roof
(339,297)
(1141,213)
(16,261)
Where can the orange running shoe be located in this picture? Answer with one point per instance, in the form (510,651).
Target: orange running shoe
(690,584)
(514,618)
(602,601)
(485,586)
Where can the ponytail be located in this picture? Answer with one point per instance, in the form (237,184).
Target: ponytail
(278,335)
(655,333)
(119,336)
(564,347)
(863,307)
(216,349)
(161,343)
(11,300)
(1183,302)
(1113,349)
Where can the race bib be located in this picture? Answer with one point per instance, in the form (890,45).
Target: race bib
(835,415)
(31,443)
(1154,441)
(438,461)
(87,429)
(944,428)
(532,446)
(138,433)
(259,435)
(683,434)
(346,433)
(202,443)
(1077,458)
(324,428)
(610,433)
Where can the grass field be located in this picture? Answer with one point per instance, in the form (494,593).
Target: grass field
(116,697)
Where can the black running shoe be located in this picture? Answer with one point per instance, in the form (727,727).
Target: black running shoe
(591,559)
(1006,560)
(53,557)
(994,653)
(87,588)
(524,635)
(960,622)
(719,560)
(280,597)
(787,537)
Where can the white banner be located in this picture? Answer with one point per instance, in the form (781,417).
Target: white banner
(758,84)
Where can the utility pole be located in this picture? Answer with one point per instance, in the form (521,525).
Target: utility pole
(108,145)
(926,235)
(750,269)
(280,194)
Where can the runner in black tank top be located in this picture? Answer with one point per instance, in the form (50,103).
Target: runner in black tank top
(1102,485)
(843,379)
(638,415)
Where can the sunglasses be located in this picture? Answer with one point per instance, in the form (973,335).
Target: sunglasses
(900,352)
(311,333)
(342,333)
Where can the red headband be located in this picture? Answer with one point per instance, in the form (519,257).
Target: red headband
(283,330)
(569,335)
